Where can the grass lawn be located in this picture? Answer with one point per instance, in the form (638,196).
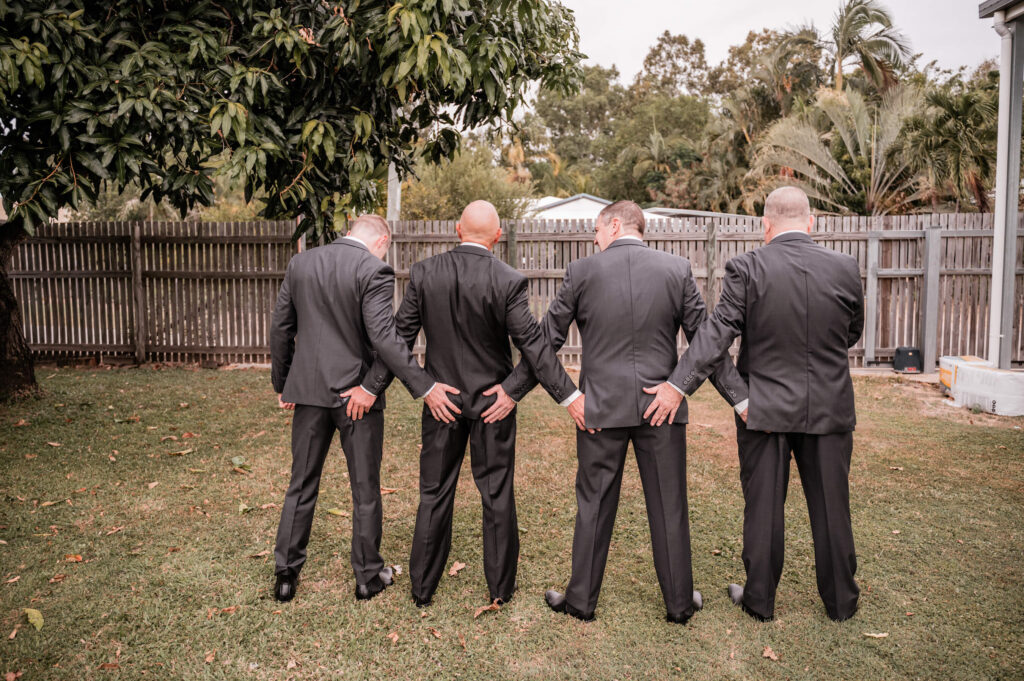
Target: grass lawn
(126,527)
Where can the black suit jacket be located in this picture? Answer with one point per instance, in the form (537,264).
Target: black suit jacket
(468,303)
(333,318)
(629,302)
(799,308)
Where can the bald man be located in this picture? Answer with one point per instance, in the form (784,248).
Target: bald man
(799,308)
(333,317)
(468,303)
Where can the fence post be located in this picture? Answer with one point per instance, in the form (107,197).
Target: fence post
(139,295)
(512,255)
(871,296)
(930,296)
(711,255)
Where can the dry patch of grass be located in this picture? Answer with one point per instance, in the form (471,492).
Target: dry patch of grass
(174,577)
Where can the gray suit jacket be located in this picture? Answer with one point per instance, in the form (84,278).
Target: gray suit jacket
(799,308)
(629,302)
(468,303)
(333,318)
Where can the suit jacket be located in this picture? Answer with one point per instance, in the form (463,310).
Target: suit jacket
(799,308)
(468,303)
(333,318)
(629,302)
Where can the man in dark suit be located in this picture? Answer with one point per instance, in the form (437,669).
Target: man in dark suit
(332,320)
(798,308)
(629,303)
(468,303)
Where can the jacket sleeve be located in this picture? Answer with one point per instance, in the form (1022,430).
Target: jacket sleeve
(555,327)
(380,327)
(712,340)
(283,324)
(857,321)
(537,353)
(724,376)
(407,323)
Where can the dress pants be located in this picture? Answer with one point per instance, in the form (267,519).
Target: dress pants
(824,465)
(492,449)
(362,442)
(661,459)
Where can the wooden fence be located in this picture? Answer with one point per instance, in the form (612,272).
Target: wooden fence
(195,291)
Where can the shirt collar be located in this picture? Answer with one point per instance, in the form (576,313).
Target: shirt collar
(357,240)
(473,243)
(629,236)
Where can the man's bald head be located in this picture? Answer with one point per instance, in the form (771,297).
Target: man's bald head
(479,223)
(786,209)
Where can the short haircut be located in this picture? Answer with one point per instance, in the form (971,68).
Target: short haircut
(628,213)
(786,205)
(371,224)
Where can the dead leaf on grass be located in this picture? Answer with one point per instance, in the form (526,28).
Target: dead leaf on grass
(21,423)
(435,632)
(393,636)
(338,511)
(116,529)
(35,618)
(109,665)
(151,485)
(261,554)
(884,634)
(183,452)
(73,558)
(213,653)
(487,608)
(12,580)
(54,444)
(172,438)
(462,640)
(58,578)
(456,566)
(895,468)
(388,490)
(770,654)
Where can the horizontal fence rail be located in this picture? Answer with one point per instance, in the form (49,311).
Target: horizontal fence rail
(191,291)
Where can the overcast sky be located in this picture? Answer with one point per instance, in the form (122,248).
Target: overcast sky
(621,31)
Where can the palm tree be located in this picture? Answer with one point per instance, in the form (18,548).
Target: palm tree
(844,152)
(862,33)
(952,143)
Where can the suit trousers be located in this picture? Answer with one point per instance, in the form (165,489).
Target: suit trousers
(362,441)
(824,465)
(661,459)
(492,449)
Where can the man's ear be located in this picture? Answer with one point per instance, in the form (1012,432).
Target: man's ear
(767,228)
(382,243)
(497,237)
(458,230)
(810,223)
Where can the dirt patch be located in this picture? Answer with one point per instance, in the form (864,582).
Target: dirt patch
(929,400)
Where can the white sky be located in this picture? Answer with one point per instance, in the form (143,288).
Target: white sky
(621,31)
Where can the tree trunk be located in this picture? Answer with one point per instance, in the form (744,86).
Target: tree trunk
(17,370)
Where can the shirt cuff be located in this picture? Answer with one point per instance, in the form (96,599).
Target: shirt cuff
(570,399)
(428,391)
(741,406)
(367,391)
(676,388)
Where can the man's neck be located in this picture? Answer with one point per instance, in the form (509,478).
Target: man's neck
(478,244)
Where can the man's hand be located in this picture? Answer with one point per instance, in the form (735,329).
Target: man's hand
(284,405)
(502,407)
(576,411)
(439,404)
(665,405)
(359,402)
(744,415)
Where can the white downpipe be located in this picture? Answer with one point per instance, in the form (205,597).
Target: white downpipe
(1002,163)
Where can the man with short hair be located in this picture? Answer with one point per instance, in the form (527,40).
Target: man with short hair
(468,303)
(629,302)
(799,308)
(332,320)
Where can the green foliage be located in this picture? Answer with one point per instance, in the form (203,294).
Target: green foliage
(442,190)
(304,102)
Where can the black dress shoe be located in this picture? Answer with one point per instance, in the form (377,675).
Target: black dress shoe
(420,602)
(698,604)
(556,601)
(843,618)
(506,599)
(284,586)
(736,596)
(384,578)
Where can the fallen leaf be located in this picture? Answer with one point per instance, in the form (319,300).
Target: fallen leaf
(264,507)
(435,632)
(397,569)
(393,636)
(265,552)
(20,423)
(73,558)
(132,419)
(213,653)
(151,485)
(338,511)
(895,468)
(173,438)
(242,508)
(388,490)
(230,609)
(116,529)
(56,579)
(173,549)
(910,614)
(12,676)
(12,580)
(486,608)
(109,665)
(53,444)
(48,503)
(184,405)
(716,552)
(770,654)
(13,634)
(292,664)
(35,618)
(884,634)
(895,531)
(183,452)
(31,456)
(456,566)
(186,435)
(462,640)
